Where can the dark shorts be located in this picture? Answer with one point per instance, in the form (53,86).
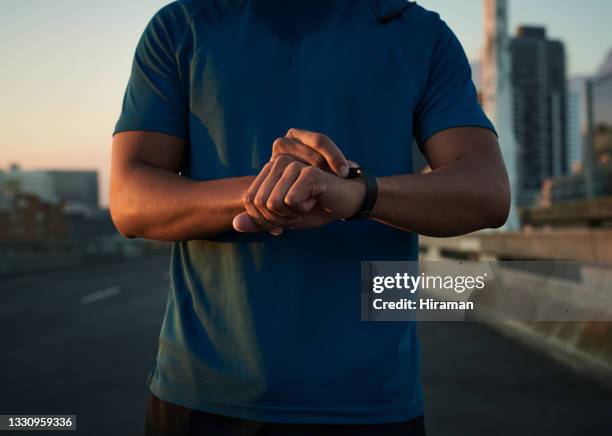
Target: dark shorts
(164,418)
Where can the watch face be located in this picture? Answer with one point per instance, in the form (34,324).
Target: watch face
(354,173)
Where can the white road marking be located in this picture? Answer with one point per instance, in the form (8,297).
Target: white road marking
(100,295)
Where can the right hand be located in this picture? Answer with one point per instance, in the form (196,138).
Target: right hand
(311,148)
(290,193)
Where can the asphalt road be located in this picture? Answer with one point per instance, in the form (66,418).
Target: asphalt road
(82,342)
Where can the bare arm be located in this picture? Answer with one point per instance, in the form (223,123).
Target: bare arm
(149,199)
(466,190)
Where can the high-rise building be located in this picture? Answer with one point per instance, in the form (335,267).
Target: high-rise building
(496,90)
(584,198)
(602,118)
(540,110)
(576,121)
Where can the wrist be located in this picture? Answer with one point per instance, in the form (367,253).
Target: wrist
(369,198)
(354,196)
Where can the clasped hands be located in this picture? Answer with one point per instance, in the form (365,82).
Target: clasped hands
(303,186)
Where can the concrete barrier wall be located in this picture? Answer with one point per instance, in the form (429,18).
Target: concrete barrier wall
(586,345)
(582,245)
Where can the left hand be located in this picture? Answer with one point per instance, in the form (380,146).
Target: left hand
(289,193)
(312,148)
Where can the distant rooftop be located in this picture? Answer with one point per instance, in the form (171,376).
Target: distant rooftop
(537,32)
(606,66)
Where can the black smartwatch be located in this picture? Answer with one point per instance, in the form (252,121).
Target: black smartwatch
(370,196)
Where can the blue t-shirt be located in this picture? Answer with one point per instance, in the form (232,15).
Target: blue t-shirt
(268,328)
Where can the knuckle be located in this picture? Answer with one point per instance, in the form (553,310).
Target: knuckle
(273,205)
(248,198)
(294,166)
(309,171)
(321,140)
(290,199)
(317,141)
(278,144)
(281,160)
(258,201)
(278,162)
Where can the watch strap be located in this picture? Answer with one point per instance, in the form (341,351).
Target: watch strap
(371,194)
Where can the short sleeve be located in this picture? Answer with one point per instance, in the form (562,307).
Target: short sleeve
(449,98)
(156,96)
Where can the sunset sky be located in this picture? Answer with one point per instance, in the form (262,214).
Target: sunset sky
(65,64)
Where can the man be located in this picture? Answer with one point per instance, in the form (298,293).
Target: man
(236,128)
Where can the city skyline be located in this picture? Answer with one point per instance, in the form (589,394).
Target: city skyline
(540,89)
(67,67)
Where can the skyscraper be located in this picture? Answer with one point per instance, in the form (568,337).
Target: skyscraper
(496,90)
(540,110)
(576,121)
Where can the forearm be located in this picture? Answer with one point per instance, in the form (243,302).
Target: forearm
(460,198)
(156,204)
